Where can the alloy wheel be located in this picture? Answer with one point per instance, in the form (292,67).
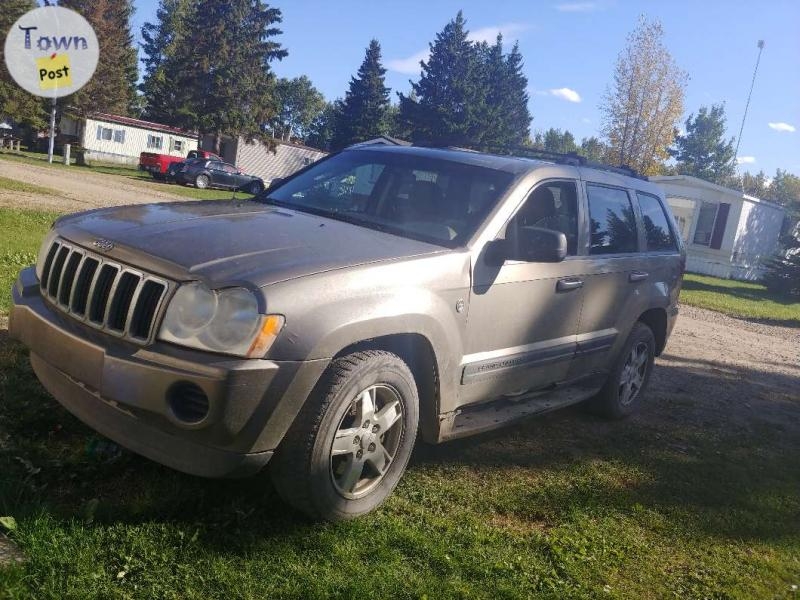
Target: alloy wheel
(633,373)
(366,441)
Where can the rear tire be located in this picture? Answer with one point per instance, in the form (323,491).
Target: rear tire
(201,182)
(351,442)
(255,188)
(623,391)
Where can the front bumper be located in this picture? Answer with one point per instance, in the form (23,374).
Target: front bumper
(121,390)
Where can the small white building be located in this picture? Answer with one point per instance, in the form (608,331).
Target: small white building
(727,233)
(117,139)
(255,158)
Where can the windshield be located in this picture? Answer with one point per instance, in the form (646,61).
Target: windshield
(433,200)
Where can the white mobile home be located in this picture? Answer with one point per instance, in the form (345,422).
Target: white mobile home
(116,139)
(255,158)
(727,233)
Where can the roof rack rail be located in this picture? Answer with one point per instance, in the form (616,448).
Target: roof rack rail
(565,158)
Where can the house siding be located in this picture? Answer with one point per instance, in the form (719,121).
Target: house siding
(751,230)
(756,239)
(257,159)
(134,141)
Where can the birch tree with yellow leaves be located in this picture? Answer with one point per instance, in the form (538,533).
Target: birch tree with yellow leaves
(641,110)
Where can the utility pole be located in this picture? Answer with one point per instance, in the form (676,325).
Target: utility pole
(747,105)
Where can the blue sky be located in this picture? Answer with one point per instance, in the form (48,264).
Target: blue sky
(570,47)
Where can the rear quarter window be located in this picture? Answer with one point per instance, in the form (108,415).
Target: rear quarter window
(657,231)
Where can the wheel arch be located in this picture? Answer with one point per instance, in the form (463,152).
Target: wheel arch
(656,320)
(417,352)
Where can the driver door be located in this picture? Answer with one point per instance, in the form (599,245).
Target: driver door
(523,316)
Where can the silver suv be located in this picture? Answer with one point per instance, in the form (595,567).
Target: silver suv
(375,294)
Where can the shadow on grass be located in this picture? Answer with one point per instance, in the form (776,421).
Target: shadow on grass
(713,451)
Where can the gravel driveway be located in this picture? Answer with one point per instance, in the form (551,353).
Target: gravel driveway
(78,188)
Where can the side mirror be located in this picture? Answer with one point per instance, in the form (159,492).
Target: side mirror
(529,244)
(275,183)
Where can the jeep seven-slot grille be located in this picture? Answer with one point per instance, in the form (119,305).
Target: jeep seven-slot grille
(102,293)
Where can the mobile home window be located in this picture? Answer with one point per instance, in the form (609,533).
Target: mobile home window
(119,136)
(177,145)
(705,223)
(103,133)
(154,141)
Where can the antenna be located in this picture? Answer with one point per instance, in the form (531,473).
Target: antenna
(747,105)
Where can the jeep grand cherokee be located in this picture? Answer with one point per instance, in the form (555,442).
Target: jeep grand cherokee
(376,294)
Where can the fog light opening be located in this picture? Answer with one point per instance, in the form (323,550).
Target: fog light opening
(188,402)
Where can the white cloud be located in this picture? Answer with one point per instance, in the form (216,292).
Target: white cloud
(586,120)
(576,7)
(410,65)
(745,160)
(566,94)
(489,34)
(779,126)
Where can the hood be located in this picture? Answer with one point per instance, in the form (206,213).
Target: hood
(229,243)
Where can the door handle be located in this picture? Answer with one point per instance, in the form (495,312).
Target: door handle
(638,276)
(566,285)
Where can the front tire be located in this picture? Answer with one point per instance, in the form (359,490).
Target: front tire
(351,442)
(623,391)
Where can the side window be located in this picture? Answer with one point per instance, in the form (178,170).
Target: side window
(552,205)
(154,141)
(656,225)
(613,224)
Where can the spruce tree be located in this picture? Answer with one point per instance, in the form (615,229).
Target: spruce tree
(112,88)
(162,39)
(364,113)
(450,104)
(703,151)
(507,118)
(221,68)
(322,129)
(782,274)
(15,103)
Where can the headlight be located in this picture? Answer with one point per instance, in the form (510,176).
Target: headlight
(42,256)
(224,321)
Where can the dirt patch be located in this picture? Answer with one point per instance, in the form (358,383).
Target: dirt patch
(78,188)
(9,553)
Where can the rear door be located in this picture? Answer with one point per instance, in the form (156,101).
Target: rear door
(614,275)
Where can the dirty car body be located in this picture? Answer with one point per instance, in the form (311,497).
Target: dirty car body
(198,333)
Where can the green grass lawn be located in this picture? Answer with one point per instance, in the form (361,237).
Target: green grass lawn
(12,185)
(22,233)
(686,500)
(559,507)
(740,299)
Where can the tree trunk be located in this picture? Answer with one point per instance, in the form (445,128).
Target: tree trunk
(217,142)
